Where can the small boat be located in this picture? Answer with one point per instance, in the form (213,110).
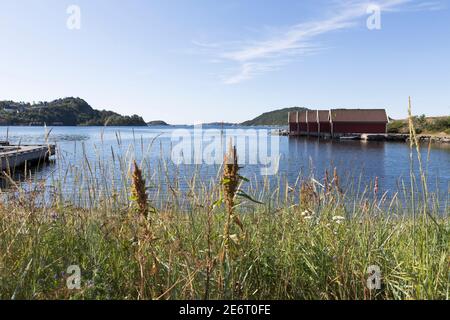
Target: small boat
(350,138)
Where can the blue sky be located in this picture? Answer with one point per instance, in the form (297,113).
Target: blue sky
(191,61)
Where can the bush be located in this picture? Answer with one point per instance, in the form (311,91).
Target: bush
(440,125)
(397,127)
(421,125)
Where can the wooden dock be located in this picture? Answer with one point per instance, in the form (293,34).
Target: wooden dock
(12,157)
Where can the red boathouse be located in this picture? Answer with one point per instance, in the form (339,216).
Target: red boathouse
(303,122)
(313,124)
(346,121)
(338,122)
(323,117)
(293,122)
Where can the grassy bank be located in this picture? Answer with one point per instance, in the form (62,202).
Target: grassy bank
(316,248)
(439,126)
(228,238)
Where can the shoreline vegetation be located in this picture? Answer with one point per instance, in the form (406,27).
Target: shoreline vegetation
(77,112)
(389,137)
(62,112)
(225,239)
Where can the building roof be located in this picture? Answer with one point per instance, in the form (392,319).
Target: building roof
(324,116)
(359,115)
(302,116)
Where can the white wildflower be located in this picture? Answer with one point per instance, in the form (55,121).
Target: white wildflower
(307,213)
(338,219)
(234,238)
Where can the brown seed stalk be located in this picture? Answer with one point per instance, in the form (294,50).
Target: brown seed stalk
(230,187)
(138,191)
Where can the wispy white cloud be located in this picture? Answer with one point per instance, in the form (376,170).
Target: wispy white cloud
(252,58)
(429,6)
(249,70)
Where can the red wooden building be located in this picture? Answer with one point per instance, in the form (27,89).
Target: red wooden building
(323,118)
(303,122)
(338,122)
(313,124)
(346,121)
(293,122)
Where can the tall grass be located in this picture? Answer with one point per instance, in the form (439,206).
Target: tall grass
(154,233)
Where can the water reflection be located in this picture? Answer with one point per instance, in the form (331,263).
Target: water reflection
(349,157)
(354,160)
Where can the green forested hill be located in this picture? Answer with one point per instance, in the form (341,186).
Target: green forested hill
(64,112)
(273,118)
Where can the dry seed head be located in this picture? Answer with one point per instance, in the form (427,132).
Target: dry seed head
(376,188)
(336,180)
(138,191)
(230,186)
(308,196)
(230,177)
(326,181)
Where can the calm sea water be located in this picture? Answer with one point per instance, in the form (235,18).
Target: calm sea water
(115,147)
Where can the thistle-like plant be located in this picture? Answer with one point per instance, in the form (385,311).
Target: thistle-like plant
(230,184)
(138,191)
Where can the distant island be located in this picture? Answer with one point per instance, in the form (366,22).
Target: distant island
(157,123)
(62,112)
(273,118)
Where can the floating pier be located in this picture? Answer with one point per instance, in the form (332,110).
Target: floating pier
(12,157)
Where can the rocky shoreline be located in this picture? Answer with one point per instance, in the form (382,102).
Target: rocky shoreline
(434,139)
(405,138)
(393,137)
